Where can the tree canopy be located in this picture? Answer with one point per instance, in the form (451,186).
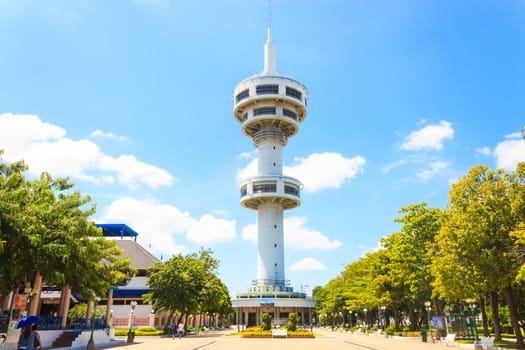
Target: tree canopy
(188,284)
(472,250)
(45,229)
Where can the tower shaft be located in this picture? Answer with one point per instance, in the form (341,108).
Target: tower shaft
(270,108)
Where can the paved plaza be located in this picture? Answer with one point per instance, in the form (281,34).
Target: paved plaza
(326,340)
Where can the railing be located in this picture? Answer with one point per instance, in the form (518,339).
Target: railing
(77,324)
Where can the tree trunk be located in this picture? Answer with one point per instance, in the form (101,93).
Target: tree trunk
(495,315)
(396,319)
(509,299)
(169,320)
(484,321)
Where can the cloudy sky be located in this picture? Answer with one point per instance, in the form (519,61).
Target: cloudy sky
(132,100)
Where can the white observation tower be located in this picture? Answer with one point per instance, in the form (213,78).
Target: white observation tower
(270,108)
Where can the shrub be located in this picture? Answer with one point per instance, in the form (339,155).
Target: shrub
(292,322)
(266,322)
(143,331)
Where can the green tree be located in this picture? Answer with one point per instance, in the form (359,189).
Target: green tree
(407,262)
(44,228)
(187,284)
(473,252)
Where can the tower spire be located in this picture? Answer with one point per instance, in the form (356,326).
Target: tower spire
(269,54)
(269,47)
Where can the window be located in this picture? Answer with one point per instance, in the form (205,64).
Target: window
(294,93)
(264,187)
(244,117)
(289,189)
(244,190)
(288,113)
(242,95)
(264,110)
(267,89)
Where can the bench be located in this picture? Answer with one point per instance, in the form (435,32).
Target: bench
(487,343)
(279,333)
(449,340)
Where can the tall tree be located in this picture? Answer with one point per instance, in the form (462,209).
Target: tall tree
(408,260)
(181,284)
(44,228)
(474,244)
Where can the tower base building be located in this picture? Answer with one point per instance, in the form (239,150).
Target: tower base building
(270,107)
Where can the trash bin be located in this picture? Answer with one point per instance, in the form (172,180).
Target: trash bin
(423,334)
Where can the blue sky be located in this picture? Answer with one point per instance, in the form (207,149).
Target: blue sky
(131,99)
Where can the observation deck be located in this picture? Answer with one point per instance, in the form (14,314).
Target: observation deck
(279,189)
(270,102)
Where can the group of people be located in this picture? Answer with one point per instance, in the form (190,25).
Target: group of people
(29,338)
(179,330)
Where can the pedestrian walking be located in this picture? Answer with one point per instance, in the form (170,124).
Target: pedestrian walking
(180,329)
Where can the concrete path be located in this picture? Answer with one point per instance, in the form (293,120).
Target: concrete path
(327,340)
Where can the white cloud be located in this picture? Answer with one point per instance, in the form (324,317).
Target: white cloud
(430,137)
(307,264)
(325,170)
(507,153)
(108,135)
(297,235)
(486,151)
(159,224)
(248,171)
(209,230)
(394,165)
(45,147)
(433,169)
(510,152)
(318,172)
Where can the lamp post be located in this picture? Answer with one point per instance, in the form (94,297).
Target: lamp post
(472,306)
(91,341)
(383,308)
(131,336)
(366,323)
(428,308)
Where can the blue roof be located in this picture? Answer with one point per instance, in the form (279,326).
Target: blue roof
(117,230)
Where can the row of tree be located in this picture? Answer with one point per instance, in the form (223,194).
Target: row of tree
(45,231)
(471,249)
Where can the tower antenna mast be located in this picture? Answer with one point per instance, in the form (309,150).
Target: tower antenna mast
(269,13)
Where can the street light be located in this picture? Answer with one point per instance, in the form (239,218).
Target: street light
(91,341)
(383,307)
(472,306)
(131,336)
(366,323)
(428,308)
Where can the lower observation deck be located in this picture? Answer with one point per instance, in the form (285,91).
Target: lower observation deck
(279,189)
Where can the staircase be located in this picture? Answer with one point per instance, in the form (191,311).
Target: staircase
(66,339)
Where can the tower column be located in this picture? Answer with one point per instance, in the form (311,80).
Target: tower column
(270,246)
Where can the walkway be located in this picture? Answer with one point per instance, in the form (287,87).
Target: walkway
(327,341)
